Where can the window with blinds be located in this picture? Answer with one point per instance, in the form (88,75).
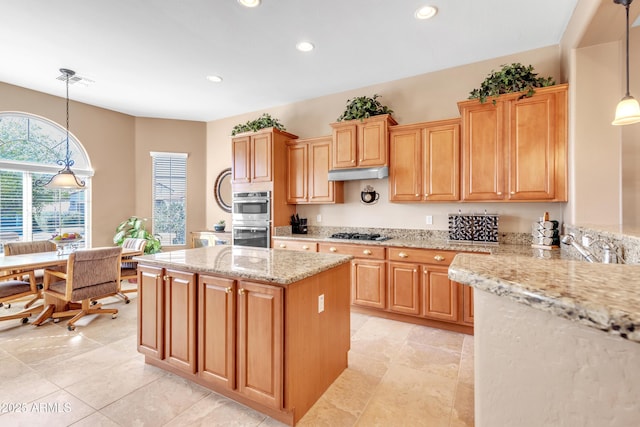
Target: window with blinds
(169,197)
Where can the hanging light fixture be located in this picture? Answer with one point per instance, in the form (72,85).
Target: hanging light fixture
(628,109)
(65,178)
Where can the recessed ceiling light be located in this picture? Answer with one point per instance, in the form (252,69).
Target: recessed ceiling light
(426,12)
(305,46)
(215,79)
(249,3)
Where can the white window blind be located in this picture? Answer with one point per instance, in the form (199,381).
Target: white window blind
(169,197)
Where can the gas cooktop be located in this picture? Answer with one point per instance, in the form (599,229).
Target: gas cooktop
(359,236)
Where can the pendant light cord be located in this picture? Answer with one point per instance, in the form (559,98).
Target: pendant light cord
(626,6)
(67,74)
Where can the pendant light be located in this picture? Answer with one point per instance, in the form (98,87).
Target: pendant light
(65,178)
(628,109)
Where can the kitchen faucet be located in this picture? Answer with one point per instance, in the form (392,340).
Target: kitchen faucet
(569,239)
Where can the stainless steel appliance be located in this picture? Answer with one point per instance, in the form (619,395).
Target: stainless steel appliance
(251,216)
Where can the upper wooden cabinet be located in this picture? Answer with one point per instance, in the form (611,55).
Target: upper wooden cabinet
(308,162)
(424,162)
(363,143)
(516,149)
(254,155)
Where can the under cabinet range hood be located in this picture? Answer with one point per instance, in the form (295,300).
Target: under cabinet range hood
(358,173)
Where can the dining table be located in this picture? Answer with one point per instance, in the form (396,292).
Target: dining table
(41,260)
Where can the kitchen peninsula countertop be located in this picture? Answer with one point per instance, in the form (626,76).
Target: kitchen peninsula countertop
(278,267)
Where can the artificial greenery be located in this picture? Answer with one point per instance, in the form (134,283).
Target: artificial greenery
(264,121)
(134,227)
(364,107)
(511,78)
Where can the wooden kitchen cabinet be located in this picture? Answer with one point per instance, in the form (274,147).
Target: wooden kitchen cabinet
(294,245)
(254,156)
(424,162)
(308,163)
(440,295)
(467,304)
(404,287)
(516,150)
(361,143)
(166,325)
(368,272)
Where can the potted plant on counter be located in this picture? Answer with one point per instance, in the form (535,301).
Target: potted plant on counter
(510,79)
(219,226)
(363,107)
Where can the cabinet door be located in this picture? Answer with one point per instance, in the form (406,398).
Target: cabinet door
(372,143)
(344,146)
(260,343)
(297,155)
(241,157)
(150,311)
(532,148)
(405,169)
(483,151)
(180,320)
(261,157)
(467,304)
(217,330)
(404,285)
(321,190)
(439,294)
(368,283)
(441,163)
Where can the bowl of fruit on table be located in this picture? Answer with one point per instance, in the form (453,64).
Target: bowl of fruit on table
(66,238)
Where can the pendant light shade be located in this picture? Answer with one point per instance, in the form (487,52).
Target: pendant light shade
(65,178)
(628,109)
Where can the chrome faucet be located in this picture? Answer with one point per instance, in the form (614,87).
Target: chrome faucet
(569,239)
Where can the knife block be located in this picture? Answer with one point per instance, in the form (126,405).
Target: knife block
(299,228)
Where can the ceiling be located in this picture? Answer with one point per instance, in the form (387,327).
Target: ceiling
(149,58)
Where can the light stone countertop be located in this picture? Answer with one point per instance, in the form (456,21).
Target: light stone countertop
(276,266)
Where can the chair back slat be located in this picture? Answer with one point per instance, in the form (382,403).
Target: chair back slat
(90,267)
(132,243)
(19,248)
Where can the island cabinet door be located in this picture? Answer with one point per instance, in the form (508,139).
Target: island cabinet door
(180,320)
(439,294)
(217,330)
(151,311)
(260,343)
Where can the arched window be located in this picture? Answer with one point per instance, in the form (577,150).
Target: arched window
(30,147)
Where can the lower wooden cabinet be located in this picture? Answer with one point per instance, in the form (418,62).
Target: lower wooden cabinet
(294,245)
(404,287)
(439,294)
(166,316)
(467,304)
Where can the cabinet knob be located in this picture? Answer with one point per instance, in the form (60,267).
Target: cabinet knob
(513,192)
(241,291)
(353,161)
(282,245)
(332,249)
(417,195)
(228,290)
(403,255)
(438,258)
(305,247)
(415,271)
(158,276)
(499,193)
(366,252)
(166,277)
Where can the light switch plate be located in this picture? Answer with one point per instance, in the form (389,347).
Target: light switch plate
(321,303)
(319,218)
(429,219)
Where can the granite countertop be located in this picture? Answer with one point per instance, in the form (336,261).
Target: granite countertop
(280,267)
(602,296)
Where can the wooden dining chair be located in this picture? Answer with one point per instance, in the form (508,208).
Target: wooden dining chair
(128,267)
(13,289)
(91,274)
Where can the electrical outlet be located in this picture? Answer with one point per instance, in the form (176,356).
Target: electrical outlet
(319,218)
(429,219)
(321,303)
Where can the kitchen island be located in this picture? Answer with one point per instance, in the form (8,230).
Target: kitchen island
(557,341)
(267,328)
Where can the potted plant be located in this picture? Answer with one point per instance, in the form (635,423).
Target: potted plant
(219,226)
(262,122)
(510,79)
(363,107)
(135,227)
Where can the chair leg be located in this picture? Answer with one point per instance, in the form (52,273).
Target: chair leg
(34,299)
(23,314)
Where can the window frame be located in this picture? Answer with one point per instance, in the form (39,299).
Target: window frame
(155,155)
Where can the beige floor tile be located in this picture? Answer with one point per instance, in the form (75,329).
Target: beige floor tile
(20,384)
(466,373)
(325,414)
(437,338)
(96,420)
(382,349)
(156,403)
(428,358)
(217,410)
(57,409)
(391,330)
(462,413)
(369,366)
(357,320)
(104,385)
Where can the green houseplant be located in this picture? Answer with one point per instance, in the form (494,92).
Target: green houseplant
(135,227)
(363,107)
(262,122)
(509,79)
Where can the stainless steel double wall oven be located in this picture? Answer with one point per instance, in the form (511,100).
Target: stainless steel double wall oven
(251,217)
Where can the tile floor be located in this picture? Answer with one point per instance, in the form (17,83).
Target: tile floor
(399,375)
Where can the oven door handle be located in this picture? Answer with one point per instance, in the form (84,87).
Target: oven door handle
(251,227)
(252,201)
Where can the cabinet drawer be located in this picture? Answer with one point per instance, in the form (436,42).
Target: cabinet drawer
(358,251)
(296,245)
(425,256)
